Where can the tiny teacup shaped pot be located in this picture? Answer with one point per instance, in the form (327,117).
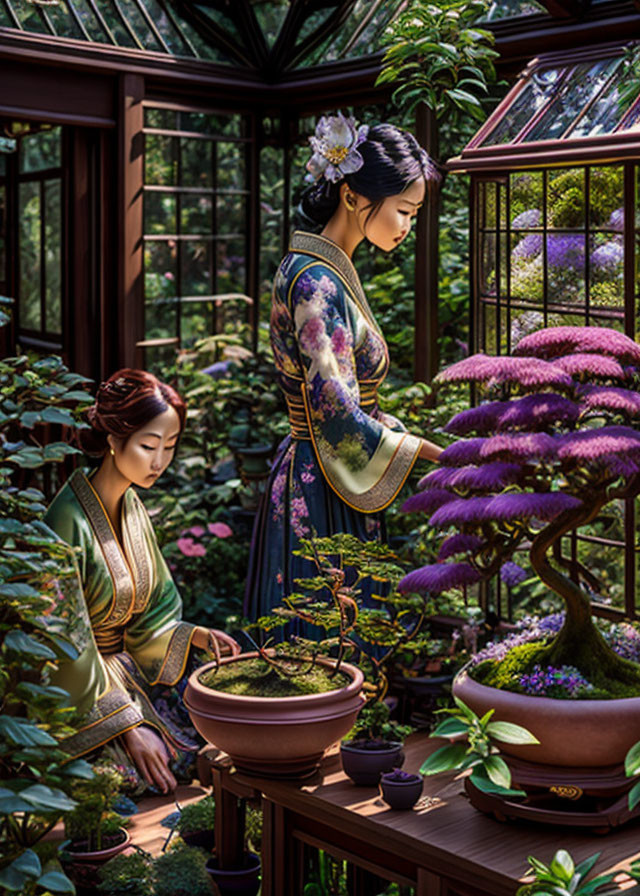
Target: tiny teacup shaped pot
(400,789)
(365,760)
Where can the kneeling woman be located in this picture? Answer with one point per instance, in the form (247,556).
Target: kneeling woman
(133,648)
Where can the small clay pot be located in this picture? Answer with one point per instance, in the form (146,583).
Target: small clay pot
(365,761)
(244,881)
(401,794)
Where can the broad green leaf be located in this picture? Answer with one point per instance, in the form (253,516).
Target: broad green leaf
(464,709)
(482,781)
(509,733)
(12,879)
(445,759)
(58,415)
(17,589)
(634,796)
(450,728)
(78,768)
(585,867)
(21,643)
(47,799)
(498,771)
(28,863)
(25,733)
(57,882)
(562,865)
(632,761)
(11,802)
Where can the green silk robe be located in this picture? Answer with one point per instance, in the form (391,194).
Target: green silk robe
(127,624)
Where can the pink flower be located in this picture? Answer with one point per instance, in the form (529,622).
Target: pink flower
(190,549)
(220,530)
(169,275)
(197,531)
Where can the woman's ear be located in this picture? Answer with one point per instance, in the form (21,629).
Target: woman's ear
(112,444)
(348,197)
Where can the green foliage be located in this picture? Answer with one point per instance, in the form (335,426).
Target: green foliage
(632,770)
(440,57)
(93,819)
(374,723)
(474,748)
(562,877)
(35,774)
(130,874)
(181,871)
(198,816)
(253,828)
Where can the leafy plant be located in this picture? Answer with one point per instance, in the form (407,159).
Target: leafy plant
(35,773)
(438,55)
(94,819)
(198,816)
(477,749)
(130,874)
(181,871)
(563,878)
(632,770)
(374,723)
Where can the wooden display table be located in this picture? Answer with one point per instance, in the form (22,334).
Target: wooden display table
(443,847)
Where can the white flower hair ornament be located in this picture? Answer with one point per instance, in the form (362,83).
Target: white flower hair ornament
(335,148)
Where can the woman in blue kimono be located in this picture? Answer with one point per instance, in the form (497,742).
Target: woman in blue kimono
(345,460)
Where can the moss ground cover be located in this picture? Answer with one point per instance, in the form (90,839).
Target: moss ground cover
(255,678)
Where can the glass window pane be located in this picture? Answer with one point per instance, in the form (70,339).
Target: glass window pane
(270,15)
(272,201)
(606,203)
(540,89)
(488,264)
(161,319)
(40,151)
(109,12)
(196,267)
(90,21)
(605,113)
(170,34)
(30,17)
(527,270)
(566,198)
(53,256)
(164,119)
(231,166)
(509,9)
(160,212)
(139,25)
(64,23)
(231,266)
(606,271)
(29,289)
(526,200)
(489,328)
(160,269)
(232,217)
(195,321)
(196,214)
(160,160)
(566,267)
(196,163)
(578,89)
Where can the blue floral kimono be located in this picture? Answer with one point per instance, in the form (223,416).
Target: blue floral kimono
(344,461)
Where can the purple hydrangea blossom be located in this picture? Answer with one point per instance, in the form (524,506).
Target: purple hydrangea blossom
(459,544)
(466,451)
(616,220)
(532,628)
(489,477)
(512,574)
(531,217)
(611,398)
(624,639)
(567,681)
(527,372)
(427,501)
(608,256)
(528,247)
(552,342)
(439,577)
(520,446)
(566,250)
(591,365)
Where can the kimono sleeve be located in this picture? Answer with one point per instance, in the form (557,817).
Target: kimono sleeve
(157,638)
(364,461)
(104,708)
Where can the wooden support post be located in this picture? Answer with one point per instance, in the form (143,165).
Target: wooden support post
(130,179)
(229,827)
(426,263)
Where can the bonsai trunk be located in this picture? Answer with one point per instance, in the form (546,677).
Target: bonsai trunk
(578,643)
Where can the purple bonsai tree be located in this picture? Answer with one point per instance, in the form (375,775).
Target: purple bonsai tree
(556,437)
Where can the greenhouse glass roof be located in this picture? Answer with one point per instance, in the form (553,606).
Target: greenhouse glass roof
(270,36)
(560,107)
(511,9)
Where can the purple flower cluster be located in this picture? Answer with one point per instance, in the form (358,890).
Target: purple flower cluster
(512,574)
(528,247)
(591,365)
(611,398)
(427,501)
(439,577)
(527,372)
(608,256)
(459,544)
(510,506)
(532,628)
(566,250)
(553,342)
(520,446)
(466,451)
(531,217)
(624,639)
(616,220)
(566,681)
(490,477)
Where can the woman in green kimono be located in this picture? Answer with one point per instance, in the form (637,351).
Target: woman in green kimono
(345,460)
(133,648)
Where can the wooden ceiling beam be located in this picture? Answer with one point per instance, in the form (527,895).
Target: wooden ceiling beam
(567,9)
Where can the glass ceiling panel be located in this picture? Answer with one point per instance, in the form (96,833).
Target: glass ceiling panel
(270,15)
(564,103)
(511,9)
(360,34)
(151,25)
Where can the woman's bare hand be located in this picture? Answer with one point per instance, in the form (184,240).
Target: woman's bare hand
(429,451)
(150,757)
(215,641)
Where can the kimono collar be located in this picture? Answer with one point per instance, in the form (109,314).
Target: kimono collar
(325,249)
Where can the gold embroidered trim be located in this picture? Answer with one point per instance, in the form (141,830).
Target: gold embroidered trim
(123,587)
(113,714)
(175,659)
(136,545)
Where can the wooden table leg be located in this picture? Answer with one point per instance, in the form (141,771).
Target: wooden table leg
(430,884)
(229,826)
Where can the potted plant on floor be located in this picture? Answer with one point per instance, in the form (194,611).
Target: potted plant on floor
(130,874)
(195,822)
(556,441)
(244,880)
(182,871)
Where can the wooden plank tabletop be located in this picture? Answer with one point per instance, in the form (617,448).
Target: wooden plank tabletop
(444,833)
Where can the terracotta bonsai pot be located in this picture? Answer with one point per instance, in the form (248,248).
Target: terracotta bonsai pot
(243,881)
(274,736)
(364,763)
(401,794)
(99,856)
(572,733)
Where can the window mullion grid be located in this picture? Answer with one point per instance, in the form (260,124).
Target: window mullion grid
(545,264)
(102,22)
(507,261)
(12,14)
(498,315)
(43,278)
(151,25)
(213,258)
(179,249)
(631,536)
(587,242)
(77,20)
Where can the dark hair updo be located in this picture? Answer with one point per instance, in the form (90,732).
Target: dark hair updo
(124,403)
(393,159)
